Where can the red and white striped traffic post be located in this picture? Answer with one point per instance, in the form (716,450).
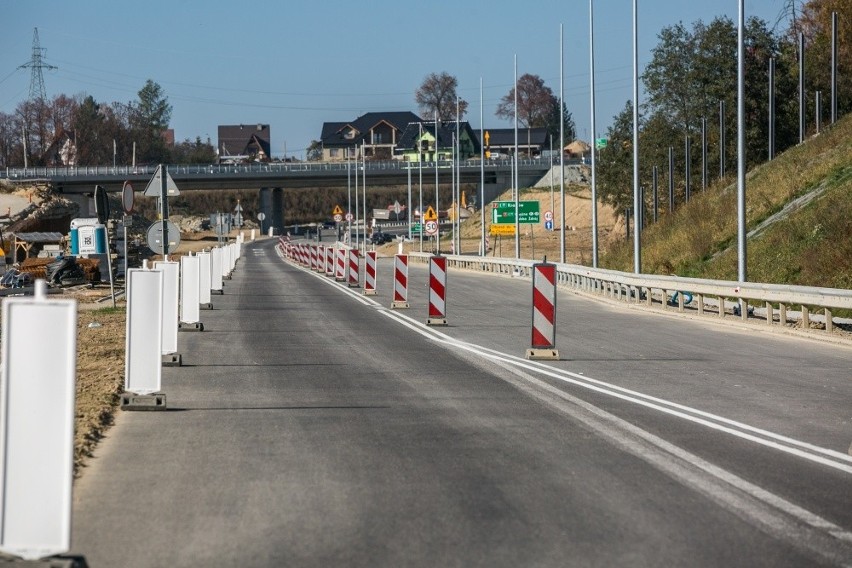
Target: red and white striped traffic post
(370,273)
(329,261)
(400,281)
(313,252)
(543,344)
(437,291)
(340,272)
(354,276)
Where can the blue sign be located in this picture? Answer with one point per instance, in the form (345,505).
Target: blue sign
(548,225)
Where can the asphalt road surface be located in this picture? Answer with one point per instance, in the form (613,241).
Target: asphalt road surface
(313,426)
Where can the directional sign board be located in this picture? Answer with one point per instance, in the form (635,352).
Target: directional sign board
(503,230)
(153,187)
(504,212)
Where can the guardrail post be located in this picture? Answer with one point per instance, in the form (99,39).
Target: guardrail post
(782,314)
(744,308)
(770,316)
(806,318)
(721,307)
(829,324)
(700,304)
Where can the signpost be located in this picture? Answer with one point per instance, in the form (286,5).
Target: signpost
(260,217)
(600,143)
(127,199)
(163,186)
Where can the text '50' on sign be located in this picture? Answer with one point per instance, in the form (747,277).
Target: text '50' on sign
(504,212)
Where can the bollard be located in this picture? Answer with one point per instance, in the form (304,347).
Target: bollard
(354,277)
(437,291)
(400,281)
(190,305)
(329,261)
(370,273)
(543,342)
(340,272)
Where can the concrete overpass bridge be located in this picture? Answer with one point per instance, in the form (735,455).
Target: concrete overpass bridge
(271,179)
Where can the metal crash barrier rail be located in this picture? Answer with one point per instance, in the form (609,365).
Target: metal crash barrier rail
(720,298)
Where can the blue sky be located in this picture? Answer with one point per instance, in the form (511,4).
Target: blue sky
(295,65)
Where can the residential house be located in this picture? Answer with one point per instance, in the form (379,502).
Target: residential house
(374,135)
(418,141)
(244,143)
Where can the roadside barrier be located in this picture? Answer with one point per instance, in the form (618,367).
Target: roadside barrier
(204,266)
(437,291)
(329,261)
(171,278)
(400,281)
(354,276)
(190,310)
(370,273)
(748,301)
(340,273)
(543,342)
(313,252)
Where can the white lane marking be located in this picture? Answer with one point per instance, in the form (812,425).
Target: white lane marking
(720,494)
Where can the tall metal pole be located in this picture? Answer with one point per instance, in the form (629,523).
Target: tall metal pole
(721,139)
(349,196)
(637,233)
(517,188)
(364,189)
(408,211)
(594,136)
(656,198)
(437,197)
(703,153)
(164,208)
(420,173)
(552,202)
(457,215)
(451,210)
(671,179)
(741,148)
(833,67)
(482,169)
(771,145)
(687,168)
(357,208)
(818,110)
(801,87)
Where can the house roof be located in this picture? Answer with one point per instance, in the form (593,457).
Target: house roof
(333,132)
(236,139)
(446,131)
(505,137)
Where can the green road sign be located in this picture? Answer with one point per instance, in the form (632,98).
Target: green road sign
(415,228)
(504,212)
(600,143)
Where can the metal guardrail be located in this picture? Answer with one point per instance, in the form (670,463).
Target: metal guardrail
(719,298)
(258,168)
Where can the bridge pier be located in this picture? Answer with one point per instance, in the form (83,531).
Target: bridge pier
(272,205)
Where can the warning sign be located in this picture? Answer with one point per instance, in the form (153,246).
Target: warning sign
(430,215)
(337,210)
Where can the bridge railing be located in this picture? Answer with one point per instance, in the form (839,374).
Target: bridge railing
(256,168)
(773,303)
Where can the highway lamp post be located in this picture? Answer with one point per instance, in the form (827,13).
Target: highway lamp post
(637,250)
(357,202)
(481,171)
(654,189)
(741,153)
(349,195)
(552,203)
(364,190)
(721,139)
(515,166)
(833,67)
(437,198)
(408,211)
(594,142)
(458,177)
(671,180)
(771,145)
(703,153)
(454,203)
(420,174)
(687,170)
(801,87)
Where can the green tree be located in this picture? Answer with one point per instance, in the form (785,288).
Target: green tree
(552,123)
(615,162)
(149,121)
(193,152)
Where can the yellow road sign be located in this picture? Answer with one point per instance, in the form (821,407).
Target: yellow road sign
(337,210)
(503,230)
(430,215)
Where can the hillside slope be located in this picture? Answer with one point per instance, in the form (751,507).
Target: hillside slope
(798,214)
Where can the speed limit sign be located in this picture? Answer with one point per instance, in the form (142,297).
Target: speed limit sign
(349,216)
(548,215)
(338,218)
(431,227)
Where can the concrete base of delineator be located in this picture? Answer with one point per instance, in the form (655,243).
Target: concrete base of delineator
(545,354)
(436,322)
(205,306)
(369,292)
(198,326)
(130,401)
(399,305)
(172,360)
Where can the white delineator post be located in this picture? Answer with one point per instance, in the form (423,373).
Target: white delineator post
(340,272)
(400,281)
(204,268)
(543,342)
(437,291)
(143,340)
(37,424)
(190,309)
(370,273)
(216,284)
(354,275)
(171,292)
